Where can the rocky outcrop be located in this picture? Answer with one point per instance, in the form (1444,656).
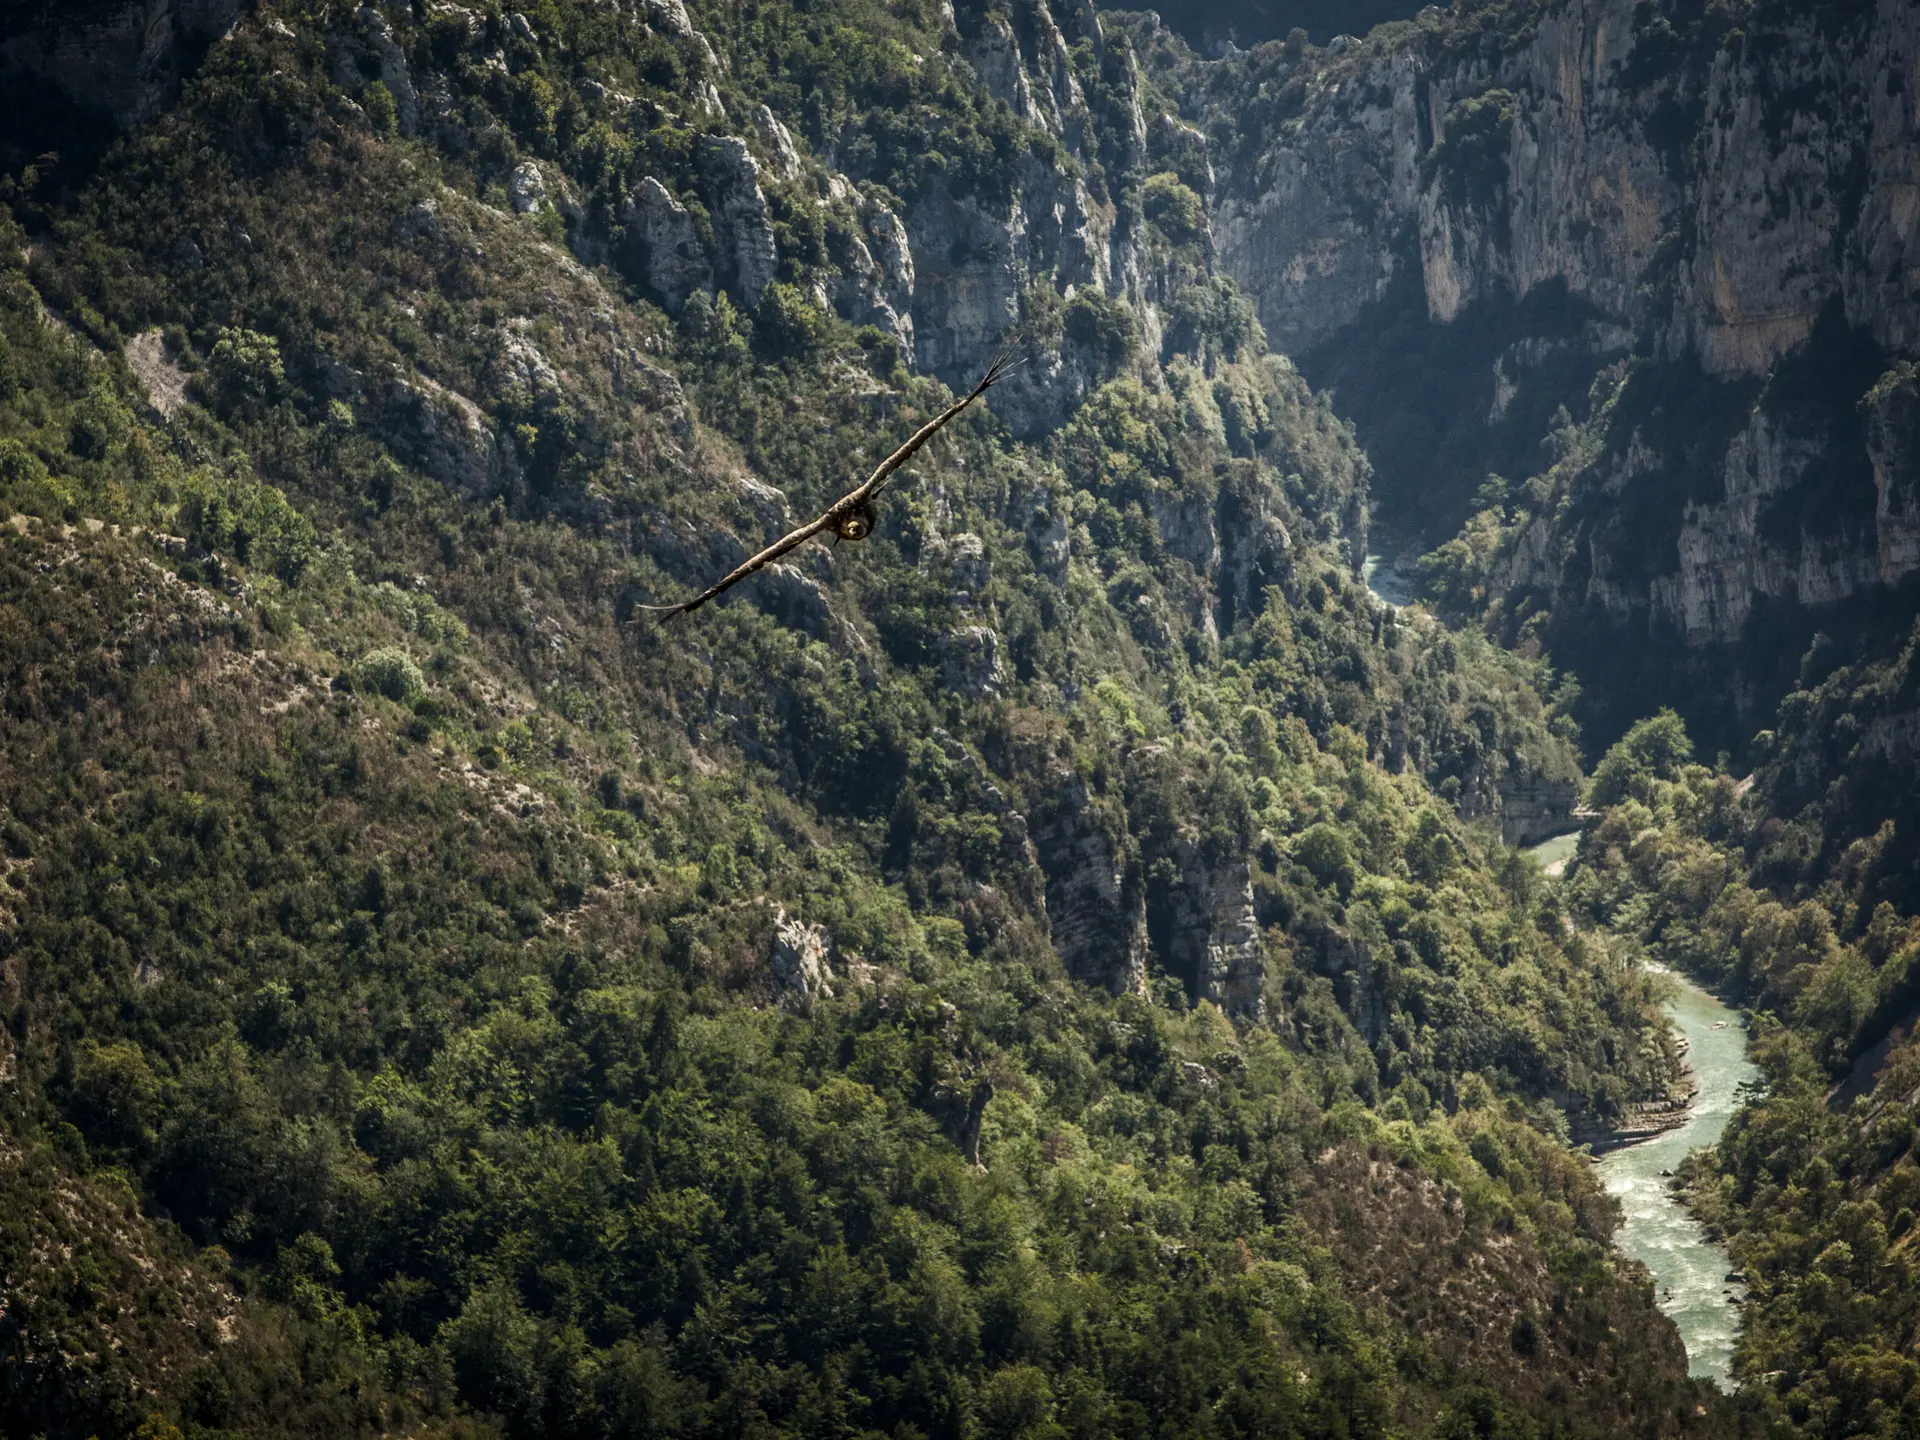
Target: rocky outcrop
(1021,861)
(796,600)
(1893,445)
(779,142)
(1095,906)
(874,260)
(1212,935)
(994,54)
(369,52)
(1255,549)
(969,570)
(527,189)
(664,246)
(1048,541)
(442,432)
(970,662)
(693,549)
(960,1106)
(798,961)
(1349,961)
(746,257)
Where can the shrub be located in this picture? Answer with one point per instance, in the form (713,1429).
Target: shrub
(1102,325)
(1173,209)
(1655,749)
(788,325)
(18,463)
(391,672)
(245,366)
(382,112)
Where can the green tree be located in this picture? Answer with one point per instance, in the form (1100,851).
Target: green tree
(1654,749)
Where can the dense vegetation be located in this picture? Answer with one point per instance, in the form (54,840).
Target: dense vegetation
(391,1038)
(1207,23)
(1792,895)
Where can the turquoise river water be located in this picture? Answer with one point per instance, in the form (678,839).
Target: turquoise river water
(1689,1271)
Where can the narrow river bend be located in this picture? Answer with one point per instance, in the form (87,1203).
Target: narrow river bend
(1689,1271)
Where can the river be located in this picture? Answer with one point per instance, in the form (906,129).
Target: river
(1689,1271)
(1391,581)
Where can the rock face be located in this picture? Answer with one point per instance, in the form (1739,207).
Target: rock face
(1096,909)
(1722,204)
(124,58)
(669,253)
(799,963)
(1585,155)
(970,663)
(1213,937)
(1534,808)
(743,231)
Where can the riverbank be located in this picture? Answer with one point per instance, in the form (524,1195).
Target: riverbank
(1646,1121)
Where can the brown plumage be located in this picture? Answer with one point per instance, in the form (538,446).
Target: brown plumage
(852,516)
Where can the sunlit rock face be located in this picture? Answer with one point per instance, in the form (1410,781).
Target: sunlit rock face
(1719,198)
(1720,203)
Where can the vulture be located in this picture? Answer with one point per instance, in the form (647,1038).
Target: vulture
(852,516)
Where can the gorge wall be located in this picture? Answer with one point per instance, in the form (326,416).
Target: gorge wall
(1692,226)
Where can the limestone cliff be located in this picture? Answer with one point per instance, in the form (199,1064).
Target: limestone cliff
(1727,200)
(1704,193)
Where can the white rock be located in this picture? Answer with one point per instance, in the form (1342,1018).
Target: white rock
(799,963)
(673,260)
(779,142)
(527,189)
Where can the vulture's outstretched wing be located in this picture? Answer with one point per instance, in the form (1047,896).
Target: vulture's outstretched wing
(793,540)
(836,516)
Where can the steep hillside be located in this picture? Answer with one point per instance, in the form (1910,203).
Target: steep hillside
(1027,974)
(1687,226)
(1803,913)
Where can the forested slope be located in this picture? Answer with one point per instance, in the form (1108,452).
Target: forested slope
(1026,974)
(1791,894)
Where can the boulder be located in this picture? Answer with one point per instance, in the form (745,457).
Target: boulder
(527,189)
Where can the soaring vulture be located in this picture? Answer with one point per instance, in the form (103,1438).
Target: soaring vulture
(852,516)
